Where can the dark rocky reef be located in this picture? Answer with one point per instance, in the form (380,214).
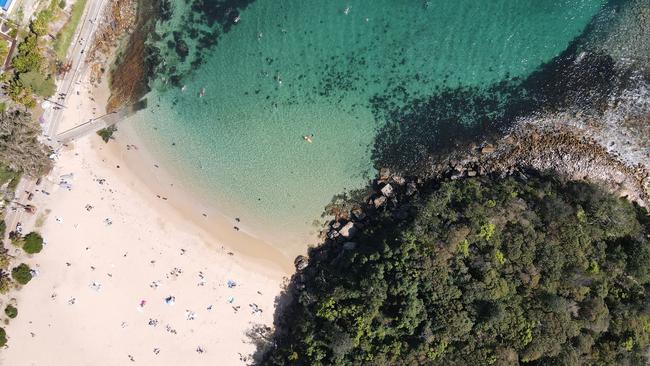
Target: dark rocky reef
(133,68)
(143,60)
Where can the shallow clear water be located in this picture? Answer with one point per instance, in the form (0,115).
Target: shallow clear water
(291,68)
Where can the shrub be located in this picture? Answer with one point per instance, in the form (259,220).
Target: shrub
(32,243)
(3,337)
(11,311)
(107,133)
(21,274)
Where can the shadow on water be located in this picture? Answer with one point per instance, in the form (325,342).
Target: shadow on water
(578,80)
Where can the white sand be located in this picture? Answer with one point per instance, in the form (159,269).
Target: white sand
(147,239)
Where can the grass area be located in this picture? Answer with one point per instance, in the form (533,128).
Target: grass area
(63,39)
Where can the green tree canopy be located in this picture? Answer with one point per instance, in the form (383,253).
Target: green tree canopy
(21,274)
(483,272)
(33,243)
(29,56)
(11,311)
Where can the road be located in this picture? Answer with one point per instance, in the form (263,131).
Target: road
(81,41)
(76,54)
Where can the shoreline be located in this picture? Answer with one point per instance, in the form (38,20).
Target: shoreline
(99,263)
(157,185)
(114,252)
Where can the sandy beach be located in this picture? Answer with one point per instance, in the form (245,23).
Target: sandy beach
(129,274)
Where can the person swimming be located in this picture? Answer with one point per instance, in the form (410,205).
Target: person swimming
(308,138)
(202,93)
(346,11)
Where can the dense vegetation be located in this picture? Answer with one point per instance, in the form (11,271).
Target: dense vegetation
(32,72)
(482,272)
(33,243)
(11,311)
(20,149)
(22,274)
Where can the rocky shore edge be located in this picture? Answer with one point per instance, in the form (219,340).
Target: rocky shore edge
(556,150)
(123,51)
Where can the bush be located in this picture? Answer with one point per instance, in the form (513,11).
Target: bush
(11,311)
(32,243)
(21,274)
(107,133)
(3,337)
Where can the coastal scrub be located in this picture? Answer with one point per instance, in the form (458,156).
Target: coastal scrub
(11,311)
(481,271)
(22,274)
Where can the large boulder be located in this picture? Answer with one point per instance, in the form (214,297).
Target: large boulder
(301,262)
(358,214)
(348,230)
(400,181)
(387,190)
(379,201)
(384,174)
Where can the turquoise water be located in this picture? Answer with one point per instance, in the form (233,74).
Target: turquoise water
(291,68)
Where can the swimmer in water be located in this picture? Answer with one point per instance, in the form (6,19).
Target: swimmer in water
(202,93)
(346,11)
(308,138)
(183,88)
